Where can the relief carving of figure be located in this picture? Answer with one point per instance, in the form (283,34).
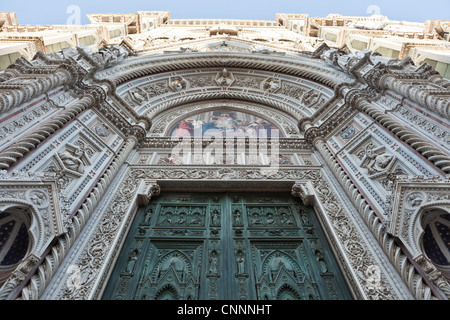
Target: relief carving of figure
(377,162)
(224,78)
(304,217)
(178,84)
(139,95)
(309,97)
(270,220)
(73,161)
(38,198)
(256,219)
(147,216)
(321,260)
(414,199)
(271,85)
(181,220)
(285,220)
(196,219)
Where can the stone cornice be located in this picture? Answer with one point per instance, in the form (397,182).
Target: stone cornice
(169,143)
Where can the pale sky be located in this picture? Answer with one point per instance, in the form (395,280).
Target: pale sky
(55,12)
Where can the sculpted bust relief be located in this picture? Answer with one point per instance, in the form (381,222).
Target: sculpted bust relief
(73,161)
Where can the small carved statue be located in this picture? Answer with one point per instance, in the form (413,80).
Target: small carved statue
(213,264)
(132,261)
(237,218)
(304,217)
(241,264)
(215,218)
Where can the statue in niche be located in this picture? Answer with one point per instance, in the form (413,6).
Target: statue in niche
(241,263)
(215,221)
(224,78)
(315,247)
(73,161)
(213,263)
(132,261)
(237,217)
(321,260)
(304,217)
(147,216)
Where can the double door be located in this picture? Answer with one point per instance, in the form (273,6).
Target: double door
(226,246)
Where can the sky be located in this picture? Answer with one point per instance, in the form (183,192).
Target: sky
(62,11)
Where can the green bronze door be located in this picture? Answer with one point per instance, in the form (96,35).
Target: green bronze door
(228,247)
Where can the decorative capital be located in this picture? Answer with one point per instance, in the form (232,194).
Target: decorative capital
(304,191)
(147,190)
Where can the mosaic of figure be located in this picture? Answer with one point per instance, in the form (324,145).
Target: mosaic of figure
(219,123)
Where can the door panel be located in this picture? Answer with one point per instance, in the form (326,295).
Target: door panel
(226,246)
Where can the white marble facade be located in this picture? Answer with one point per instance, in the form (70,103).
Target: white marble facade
(85,140)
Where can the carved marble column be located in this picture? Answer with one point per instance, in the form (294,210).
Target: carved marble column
(46,270)
(21,89)
(421,145)
(13,153)
(421,288)
(433,99)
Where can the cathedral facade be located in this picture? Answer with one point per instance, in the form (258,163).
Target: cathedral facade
(224,159)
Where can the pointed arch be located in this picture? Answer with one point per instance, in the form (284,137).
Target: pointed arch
(287,292)
(167,292)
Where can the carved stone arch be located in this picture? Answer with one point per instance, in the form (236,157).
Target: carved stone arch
(35,225)
(287,105)
(424,216)
(22,232)
(170,255)
(268,259)
(165,122)
(167,290)
(292,65)
(415,224)
(287,289)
